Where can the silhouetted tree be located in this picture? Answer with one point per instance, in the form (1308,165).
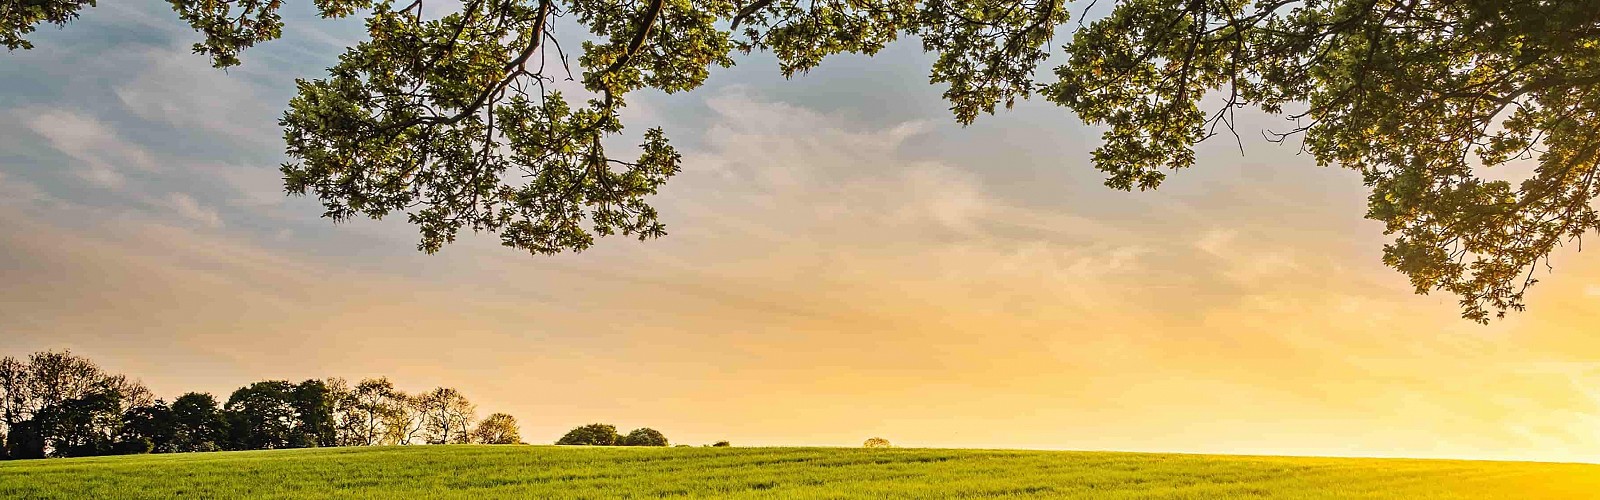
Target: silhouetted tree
(591,435)
(369,410)
(346,428)
(261,415)
(198,425)
(24,440)
(63,400)
(406,425)
(721,444)
(57,404)
(55,377)
(341,397)
(448,416)
(314,426)
(133,446)
(497,428)
(876,442)
(147,429)
(82,426)
(130,393)
(46,379)
(15,395)
(644,437)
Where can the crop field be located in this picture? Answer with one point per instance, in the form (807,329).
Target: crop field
(469,471)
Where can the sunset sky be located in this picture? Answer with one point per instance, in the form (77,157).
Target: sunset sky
(844,261)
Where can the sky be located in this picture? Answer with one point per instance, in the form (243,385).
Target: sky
(844,261)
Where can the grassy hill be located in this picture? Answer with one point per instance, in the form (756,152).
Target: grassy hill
(546,471)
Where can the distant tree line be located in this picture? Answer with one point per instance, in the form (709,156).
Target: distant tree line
(606,435)
(57,404)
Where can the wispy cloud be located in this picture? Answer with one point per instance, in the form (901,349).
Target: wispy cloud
(186,206)
(253,186)
(104,156)
(823,261)
(177,88)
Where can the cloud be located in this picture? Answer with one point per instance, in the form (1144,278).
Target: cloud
(186,207)
(104,156)
(777,165)
(181,89)
(1254,265)
(778,193)
(145,17)
(936,193)
(811,252)
(254,186)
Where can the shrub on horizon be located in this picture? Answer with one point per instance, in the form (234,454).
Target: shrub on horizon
(591,435)
(645,436)
(498,428)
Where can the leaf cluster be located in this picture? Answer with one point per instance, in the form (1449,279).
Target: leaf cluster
(455,122)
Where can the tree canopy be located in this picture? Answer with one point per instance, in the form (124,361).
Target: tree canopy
(497,428)
(644,436)
(591,435)
(452,120)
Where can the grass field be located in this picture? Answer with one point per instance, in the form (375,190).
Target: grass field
(546,471)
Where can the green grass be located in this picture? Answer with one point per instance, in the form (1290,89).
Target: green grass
(563,472)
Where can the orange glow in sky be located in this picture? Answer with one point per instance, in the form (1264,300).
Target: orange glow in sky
(843,262)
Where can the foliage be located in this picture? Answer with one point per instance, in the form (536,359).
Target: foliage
(591,472)
(58,404)
(409,420)
(721,444)
(313,402)
(261,416)
(1420,97)
(451,120)
(133,446)
(20,17)
(497,428)
(876,442)
(82,426)
(448,416)
(198,424)
(25,440)
(644,437)
(152,428)
(591,435)
(370,412)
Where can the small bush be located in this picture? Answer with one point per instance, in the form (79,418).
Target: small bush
(645,437)
(592,435)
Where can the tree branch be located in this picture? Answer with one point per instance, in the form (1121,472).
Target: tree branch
(650,15)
